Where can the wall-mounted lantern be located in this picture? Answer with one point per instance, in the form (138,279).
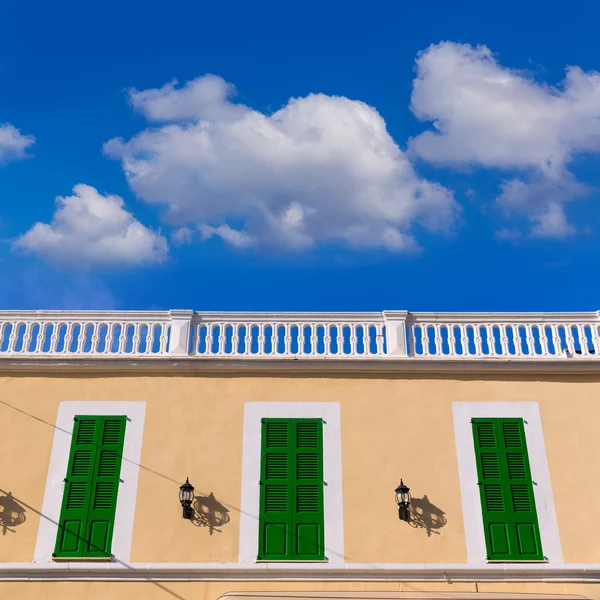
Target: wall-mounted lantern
(403,501)
(186,497)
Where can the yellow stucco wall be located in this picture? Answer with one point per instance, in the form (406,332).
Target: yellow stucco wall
(390,428)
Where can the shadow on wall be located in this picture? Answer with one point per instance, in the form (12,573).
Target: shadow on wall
(427,516)
(210,513)
(12,514)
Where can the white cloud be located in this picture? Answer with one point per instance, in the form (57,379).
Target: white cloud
(321,169)
(484,113)
(13,144)
(203,98)
(226,233)
(89,229)
(542,201)
(183,236)
(492,116)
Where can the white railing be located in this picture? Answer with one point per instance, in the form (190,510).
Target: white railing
(390,334)
(503,335)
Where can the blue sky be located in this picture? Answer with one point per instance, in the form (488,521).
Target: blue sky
(314,156)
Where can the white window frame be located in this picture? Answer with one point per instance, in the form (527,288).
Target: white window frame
(57,471)
(540,473)
(254,412)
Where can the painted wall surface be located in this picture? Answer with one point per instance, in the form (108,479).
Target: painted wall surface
(214,590)
(391,428)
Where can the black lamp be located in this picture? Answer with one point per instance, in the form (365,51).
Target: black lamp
(186,497)
(403,501)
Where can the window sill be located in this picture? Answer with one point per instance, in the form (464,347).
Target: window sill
(524,562)
(291,562)
(94,559)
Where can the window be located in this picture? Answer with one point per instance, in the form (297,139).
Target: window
(91,486)
(506,489)
(291,519)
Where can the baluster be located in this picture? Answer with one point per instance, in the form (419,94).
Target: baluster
(517,339)
(439,347)
(313,339)
(68,337)
(556,342)
(504,339)
(165,331)
(451,340)
(27,337)
(543,335)
(464,339)
(95,337)
(148,341)
(490,330)
(287,340)
(380,339)
(326,339)
(261,339)
(122,338)
(301,339)
(531,351)
(209,338)
(425,338)
(110,334)
(38,344)
(235,338)
(273,339)
(12,340)
(222,339)
(353,340)
(248,339)
(81,338)
(54,337)
(340,339)
(135,339)
(570,339)
(477,341)
(583,340)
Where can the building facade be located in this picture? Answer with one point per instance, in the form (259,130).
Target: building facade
(295,431)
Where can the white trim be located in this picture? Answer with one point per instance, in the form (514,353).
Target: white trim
(467,469)
(382,572)
(332,472)
(59,458)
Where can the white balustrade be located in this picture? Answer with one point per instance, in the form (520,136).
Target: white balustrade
(288,335)
(387,335)
(503,335)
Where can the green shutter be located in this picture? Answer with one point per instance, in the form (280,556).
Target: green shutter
(91,487)
(291,523)
(506,488)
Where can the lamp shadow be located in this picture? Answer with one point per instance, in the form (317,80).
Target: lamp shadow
(12,514)
(210,513)
(427,516)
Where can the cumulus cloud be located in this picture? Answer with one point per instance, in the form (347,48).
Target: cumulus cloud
(542,200)
(321,169)
(489,115)
(89,229)
(13,144)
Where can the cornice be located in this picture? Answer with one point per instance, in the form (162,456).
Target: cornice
(382,366)
(509,572)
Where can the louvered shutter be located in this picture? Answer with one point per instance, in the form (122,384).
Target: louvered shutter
(291,523)
(506,489)
(91,487)
(103,501)
(308,535)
